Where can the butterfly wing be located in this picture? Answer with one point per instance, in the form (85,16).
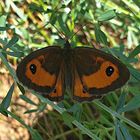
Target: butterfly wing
(79,90)
(96,73)
(41,71)
(58,92)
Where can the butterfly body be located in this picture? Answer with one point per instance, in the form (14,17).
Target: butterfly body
(86,72)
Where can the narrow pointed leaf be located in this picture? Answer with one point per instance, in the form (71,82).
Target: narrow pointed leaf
(7,100)
(26,99)
(100,35)
(133,104)
(135,52)
(108,15)
(11,42)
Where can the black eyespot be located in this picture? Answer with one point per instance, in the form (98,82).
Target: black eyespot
(109,71)
(33,68)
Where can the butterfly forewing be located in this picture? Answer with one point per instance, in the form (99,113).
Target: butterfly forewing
(40,71)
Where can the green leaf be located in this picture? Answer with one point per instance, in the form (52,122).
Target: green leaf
(7,100)
(68,119)
(17,118)
(133,104)
(3,41)
(3,21)
(4,28)
(31,111)
(34,7)
(125,132)
(11,70)
(107,15)
(63,26)
(21,88)
(15,54)
(121,102)
(121,48)
(76,109)
(100,35)
(117,115)
(11,42)
(118,131)
(134,89)
(42,107)
(135,52)
(135,73)
(2,111)
(35,135)
(27,100)
(105,121)
(53,19)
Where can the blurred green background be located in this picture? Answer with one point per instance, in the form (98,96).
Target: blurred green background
(110,25)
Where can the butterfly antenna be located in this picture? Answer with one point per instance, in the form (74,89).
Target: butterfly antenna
(76,32)
(61,34)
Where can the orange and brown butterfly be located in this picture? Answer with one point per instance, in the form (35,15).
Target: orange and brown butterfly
(87,72)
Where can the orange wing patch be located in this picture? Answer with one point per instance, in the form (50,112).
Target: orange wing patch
(57,94)
(41,77)
(79,93)
(100,79)
(99,60)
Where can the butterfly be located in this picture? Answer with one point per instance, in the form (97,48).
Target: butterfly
(87,72)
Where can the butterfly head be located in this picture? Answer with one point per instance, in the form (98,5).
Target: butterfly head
(67,45)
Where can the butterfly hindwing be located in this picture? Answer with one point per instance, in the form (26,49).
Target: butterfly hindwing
(79,91)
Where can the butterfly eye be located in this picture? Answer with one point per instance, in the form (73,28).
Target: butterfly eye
(109,71)
(33,68)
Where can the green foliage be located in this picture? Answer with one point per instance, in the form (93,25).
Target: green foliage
(6,101)
(100,35)
(112,24)
(133,104)
(107,15)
